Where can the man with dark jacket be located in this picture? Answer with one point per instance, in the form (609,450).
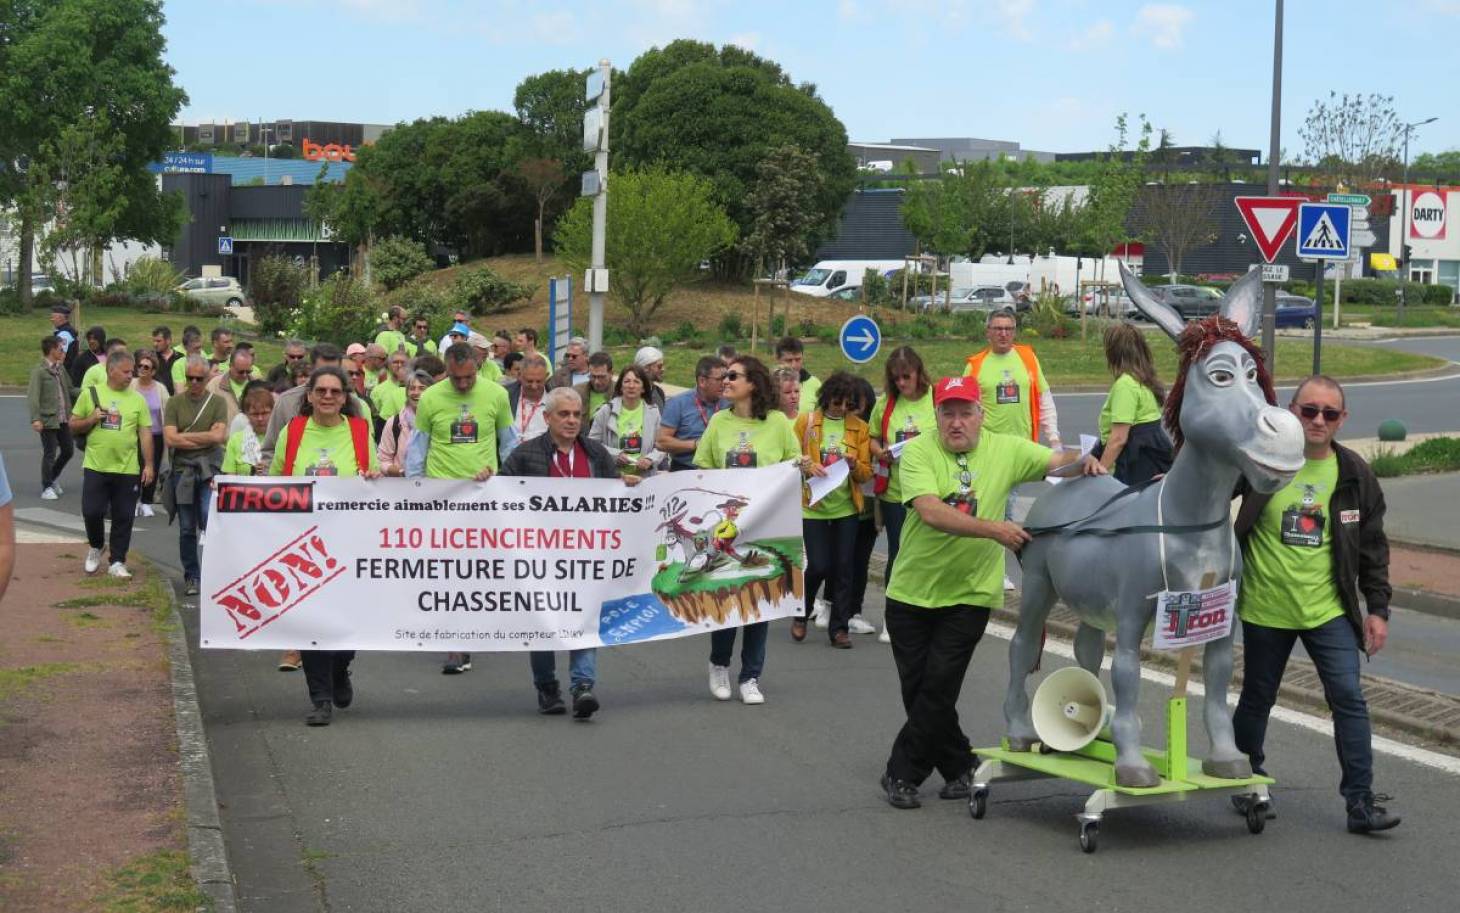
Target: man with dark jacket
(563,453)
(93,354)
(49,396)
(1308,551)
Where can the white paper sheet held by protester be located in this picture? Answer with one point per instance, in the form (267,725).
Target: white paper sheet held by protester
(1073,470)
(821,486)
(896,449)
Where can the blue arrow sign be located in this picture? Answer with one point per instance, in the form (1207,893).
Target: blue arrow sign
(1323,231)
(860,339)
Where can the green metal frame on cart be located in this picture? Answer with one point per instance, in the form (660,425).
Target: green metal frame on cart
(1094,765)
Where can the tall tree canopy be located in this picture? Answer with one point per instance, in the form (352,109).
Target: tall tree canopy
(720,114)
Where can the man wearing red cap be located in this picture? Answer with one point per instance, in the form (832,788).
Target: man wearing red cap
(949,573)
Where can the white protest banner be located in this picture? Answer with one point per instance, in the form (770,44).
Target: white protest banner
(1186,619)
(507,564)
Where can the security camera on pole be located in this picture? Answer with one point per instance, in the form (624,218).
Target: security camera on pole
(595,184)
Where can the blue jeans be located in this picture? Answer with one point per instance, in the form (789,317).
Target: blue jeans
(190,519)
(893,516)
(1334,649)
(752,650)
(582,667)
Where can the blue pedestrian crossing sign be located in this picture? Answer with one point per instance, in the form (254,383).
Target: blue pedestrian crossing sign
(860,339)
(225,245)
(1323,231)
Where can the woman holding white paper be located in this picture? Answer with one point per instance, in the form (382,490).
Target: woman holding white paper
(833,439)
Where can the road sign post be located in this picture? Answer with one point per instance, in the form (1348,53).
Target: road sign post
(860,338)
(1318,319)
(595,127)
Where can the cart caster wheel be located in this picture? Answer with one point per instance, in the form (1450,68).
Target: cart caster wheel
(1089,836)
(1257,817)
(978,802)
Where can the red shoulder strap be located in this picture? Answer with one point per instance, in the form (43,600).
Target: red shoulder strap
(360,434)
(293,437)
(887,414)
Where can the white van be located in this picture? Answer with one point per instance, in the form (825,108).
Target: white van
(834,275)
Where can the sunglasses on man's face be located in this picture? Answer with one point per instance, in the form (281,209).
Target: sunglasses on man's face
(1330,414)
(197,378)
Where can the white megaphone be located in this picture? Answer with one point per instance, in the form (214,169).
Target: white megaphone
(1070,709)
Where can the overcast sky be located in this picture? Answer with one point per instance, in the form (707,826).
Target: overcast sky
(1049,74)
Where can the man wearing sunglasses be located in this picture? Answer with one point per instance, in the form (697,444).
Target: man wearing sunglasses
(948,576)
(195,427)
(1308,551)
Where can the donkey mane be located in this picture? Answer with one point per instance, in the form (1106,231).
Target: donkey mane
(1192,345)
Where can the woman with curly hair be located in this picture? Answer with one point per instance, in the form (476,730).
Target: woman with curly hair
(752,432)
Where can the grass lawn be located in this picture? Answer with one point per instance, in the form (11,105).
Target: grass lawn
(1068,362)
(20,337)
(1388,316)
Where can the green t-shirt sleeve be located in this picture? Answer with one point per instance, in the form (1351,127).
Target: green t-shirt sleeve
(789,448)
(705,450)
(179,370)
(83,406)
(490,371)
(276,465)
(1124,400)
(874,425)
(501,405)
(233,455)
(1030,461)
(1043,384)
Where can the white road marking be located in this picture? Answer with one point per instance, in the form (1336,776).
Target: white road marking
(1346,386)
(1422,756)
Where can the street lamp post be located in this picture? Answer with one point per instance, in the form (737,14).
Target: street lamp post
(1407,199)
(1269,291)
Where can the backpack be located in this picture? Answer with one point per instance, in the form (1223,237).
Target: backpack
(294,436)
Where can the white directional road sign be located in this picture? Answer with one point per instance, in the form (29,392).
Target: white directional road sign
(860,338)
(1362,238)
(1323,231)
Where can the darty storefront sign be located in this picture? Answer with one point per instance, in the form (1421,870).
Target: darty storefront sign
(329,152)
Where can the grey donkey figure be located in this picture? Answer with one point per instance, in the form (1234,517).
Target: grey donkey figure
(1225,425)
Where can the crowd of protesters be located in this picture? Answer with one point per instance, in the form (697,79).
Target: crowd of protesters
(933,463)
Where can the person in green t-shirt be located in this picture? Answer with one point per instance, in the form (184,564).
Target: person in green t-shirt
(420,342)
(96,375)
(326,446)
(1307,552)
(790,353)
(243,454)
(628,425)
(481,350)
(752,432)
(1133,445)
(389,396)
(118,425)
(832,433)
(947,578)
(392,336)
(463,424)
(905,410)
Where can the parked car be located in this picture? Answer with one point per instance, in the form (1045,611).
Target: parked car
(974,298)
(1117,301)
(1192,302)
(222,291)
(1296,311)
(847,293)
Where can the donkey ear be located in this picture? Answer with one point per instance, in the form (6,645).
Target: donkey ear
(1163,314)
(1243,303)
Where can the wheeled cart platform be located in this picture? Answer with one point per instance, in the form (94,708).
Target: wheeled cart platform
(1181,778)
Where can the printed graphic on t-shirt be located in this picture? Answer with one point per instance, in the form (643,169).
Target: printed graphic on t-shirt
(464,429)
(631,443)
(111,420)
(1007,390)
(323,466)
(907,432)
(742,456)
(831,450)
(964,504)
(1302,522)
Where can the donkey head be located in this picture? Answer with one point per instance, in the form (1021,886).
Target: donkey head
(1220,403)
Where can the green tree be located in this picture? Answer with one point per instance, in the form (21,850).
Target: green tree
(719,114)
(661,225)
(81,65)
(967,212)
(1113,192)
(551,106)
(782,205)
(396,261)
(1352,139)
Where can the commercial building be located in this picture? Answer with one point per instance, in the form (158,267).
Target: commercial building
(1425,217)
(299,134)
(973,149)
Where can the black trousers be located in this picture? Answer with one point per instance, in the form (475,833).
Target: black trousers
(829,548)
(861,559)
(323,669)
(56,450)
(113,493)
(149,491)
(932,649)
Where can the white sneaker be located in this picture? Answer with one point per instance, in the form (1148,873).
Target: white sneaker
(1008,584)
(93,560)
(884,637)
(720,682)
(118,569)
(821,613)
(750,692)
(58,489)
(50,494)
(858,625)
(145,510)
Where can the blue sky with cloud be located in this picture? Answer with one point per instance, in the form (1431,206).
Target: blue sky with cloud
(1050,74)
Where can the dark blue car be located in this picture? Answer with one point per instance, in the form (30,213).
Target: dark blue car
(1295,311)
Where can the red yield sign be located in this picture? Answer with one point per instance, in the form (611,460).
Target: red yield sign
(1271,220)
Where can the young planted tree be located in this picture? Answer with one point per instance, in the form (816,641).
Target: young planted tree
(661,226)
(543,178)
(1178,218)
(782,206)
(1352,139)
